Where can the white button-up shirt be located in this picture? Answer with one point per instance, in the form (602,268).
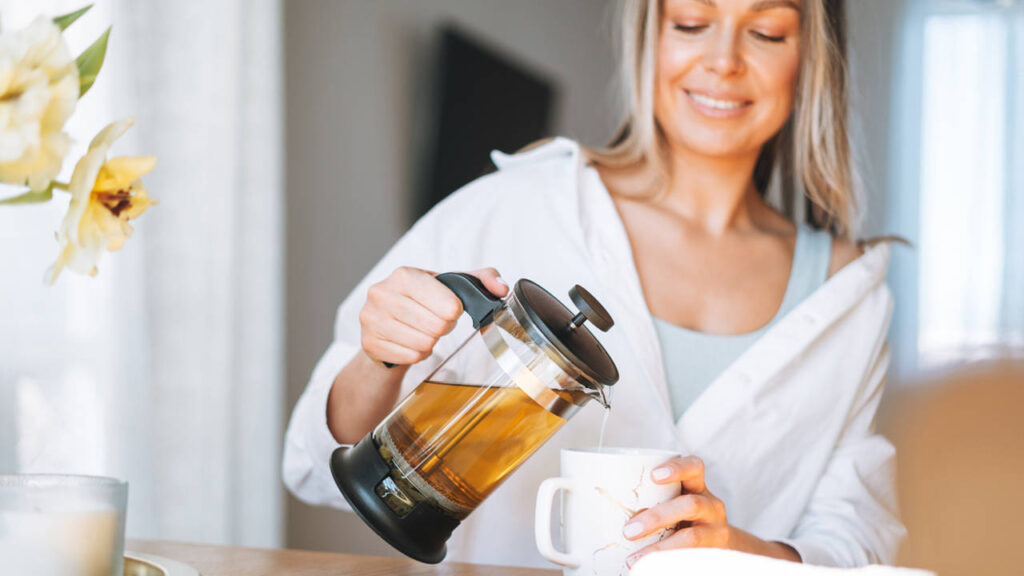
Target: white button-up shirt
(786,432)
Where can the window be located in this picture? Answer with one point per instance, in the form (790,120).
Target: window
(969,207)
(56,361)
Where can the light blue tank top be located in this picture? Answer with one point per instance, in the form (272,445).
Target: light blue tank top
(694,359)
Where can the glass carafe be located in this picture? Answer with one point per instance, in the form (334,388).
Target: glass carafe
(528,367)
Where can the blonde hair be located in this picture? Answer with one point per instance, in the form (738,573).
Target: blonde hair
(809,157)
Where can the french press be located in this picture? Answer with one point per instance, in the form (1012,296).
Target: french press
(528,367)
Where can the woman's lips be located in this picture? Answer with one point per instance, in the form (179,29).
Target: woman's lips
(717,107)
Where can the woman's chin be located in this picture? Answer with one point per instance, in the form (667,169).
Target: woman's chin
(723,148)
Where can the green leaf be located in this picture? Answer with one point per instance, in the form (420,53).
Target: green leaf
(68,19)
(31,197)
(90,62)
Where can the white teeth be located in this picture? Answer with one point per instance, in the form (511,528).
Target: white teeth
(712,103)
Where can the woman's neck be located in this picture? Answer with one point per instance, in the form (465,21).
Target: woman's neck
(713,193)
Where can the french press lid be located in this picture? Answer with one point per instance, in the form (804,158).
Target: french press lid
(561,332)
(553,327)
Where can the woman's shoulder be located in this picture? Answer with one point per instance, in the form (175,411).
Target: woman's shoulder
(844,251)
(863,268)
(556,150)
(857,294)
(533,190)
(545,171)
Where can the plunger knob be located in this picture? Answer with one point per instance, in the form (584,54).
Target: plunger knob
(589,309)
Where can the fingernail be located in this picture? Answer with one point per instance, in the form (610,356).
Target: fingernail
(501,281)
(632,530)
(661,473)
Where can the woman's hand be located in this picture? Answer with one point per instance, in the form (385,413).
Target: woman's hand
(409,311)
(699,515)
(403,318)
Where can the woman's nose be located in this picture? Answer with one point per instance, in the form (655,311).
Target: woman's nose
(722,55)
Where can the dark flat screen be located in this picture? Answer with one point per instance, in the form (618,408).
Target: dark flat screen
(485,102)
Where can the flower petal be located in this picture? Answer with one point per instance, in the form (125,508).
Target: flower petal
(63,98)
(112,132)
(38,92)
(140,202)
(119,173)
(105,195)
(83,179)
(80,188)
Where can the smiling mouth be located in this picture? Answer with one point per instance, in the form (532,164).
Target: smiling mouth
(717,104)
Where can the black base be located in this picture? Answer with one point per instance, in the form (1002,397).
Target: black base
(421,534)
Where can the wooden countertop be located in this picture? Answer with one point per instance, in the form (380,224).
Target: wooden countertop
(212,560)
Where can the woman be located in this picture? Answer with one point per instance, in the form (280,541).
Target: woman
(752,345)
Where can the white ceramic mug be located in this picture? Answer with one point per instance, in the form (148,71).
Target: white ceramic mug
(603,488)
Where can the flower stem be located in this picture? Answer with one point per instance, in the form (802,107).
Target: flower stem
(60,186)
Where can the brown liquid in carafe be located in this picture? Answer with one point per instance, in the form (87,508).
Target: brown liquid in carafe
(463,440)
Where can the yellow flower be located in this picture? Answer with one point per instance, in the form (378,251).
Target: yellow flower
(38,92)
(105,195)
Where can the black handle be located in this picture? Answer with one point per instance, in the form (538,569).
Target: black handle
(477,301)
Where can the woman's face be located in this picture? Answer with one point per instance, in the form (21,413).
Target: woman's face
(726,73)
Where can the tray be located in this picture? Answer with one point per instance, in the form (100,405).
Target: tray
(139,564)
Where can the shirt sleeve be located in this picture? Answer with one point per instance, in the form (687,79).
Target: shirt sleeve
(853,517)
(308,441)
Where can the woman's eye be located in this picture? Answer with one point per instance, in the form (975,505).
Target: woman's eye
(767,37)
(690,29)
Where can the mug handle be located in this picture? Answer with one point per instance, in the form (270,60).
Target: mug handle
(542,522)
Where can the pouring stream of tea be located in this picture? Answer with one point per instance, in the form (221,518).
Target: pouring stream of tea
(604,419)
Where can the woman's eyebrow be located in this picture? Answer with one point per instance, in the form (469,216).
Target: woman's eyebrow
(760,5)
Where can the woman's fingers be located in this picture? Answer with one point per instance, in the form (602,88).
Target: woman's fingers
(422,287)
(688,470)
(492,280)
(410,330)
(381,350)
(411,313)
(408,312)
(698,536)
(385,339)
(697,508)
